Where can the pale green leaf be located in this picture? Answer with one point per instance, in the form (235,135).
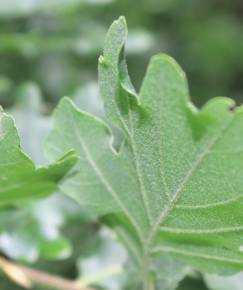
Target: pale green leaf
(176,185)
(19,179)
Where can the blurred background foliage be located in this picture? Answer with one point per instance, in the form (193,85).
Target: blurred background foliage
(48,49)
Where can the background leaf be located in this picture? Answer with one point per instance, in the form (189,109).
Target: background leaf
(215,282)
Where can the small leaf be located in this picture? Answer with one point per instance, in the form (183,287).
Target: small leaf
(19,179)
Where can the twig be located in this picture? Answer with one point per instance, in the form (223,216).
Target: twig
(27,277)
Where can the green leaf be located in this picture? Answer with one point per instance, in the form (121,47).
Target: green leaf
(19,179)
(176,185)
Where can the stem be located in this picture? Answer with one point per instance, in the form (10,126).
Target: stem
(27,276)
(147,283)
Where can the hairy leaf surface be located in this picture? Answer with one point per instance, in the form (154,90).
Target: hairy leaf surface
(19,179)
(176,185)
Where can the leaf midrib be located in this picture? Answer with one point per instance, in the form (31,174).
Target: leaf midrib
(143,191)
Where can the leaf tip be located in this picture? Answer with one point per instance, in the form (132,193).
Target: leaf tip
(119,25)
(65,99)
(121,21)
(115,39)
(164,59)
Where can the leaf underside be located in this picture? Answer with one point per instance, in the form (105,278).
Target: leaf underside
(19,179)
(176,185)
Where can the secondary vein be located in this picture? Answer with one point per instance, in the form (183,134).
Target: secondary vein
(165,213)
(105,182)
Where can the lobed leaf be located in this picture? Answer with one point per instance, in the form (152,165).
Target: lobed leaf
(176,185)
(19,179)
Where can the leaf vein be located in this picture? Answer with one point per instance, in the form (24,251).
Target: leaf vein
(165,213)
